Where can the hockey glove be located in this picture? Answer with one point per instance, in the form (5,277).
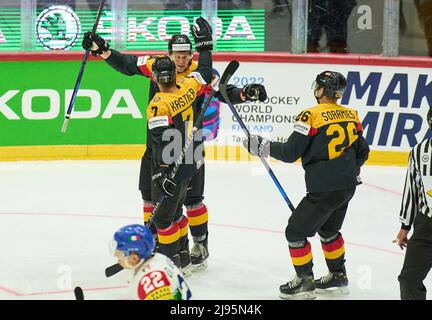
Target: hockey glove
(254,92)
(257,146)
(97,45)
(202,34)
(167,185)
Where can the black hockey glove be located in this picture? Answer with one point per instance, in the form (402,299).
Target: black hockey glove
(254,92)
(257,146)
(167,185)
(202,34)
(97,45)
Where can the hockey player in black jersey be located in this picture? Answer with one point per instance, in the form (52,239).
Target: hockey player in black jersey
(171,115)
(328,139)
(416,210)
(180,51)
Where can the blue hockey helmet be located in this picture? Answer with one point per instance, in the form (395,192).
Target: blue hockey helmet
(134,238)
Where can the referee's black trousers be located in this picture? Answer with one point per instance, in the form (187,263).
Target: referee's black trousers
(418,260)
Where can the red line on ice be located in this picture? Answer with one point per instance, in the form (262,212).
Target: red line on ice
(382,189)
(360,245)
(10,291)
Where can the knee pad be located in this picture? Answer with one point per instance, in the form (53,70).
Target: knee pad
(293,236)
(146,195)
(193,205)
(328,239)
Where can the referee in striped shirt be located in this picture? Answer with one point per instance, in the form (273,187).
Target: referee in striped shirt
(416,210)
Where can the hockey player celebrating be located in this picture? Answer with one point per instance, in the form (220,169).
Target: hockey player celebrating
(179,51)
(328,139)
(172,111)
(153,275)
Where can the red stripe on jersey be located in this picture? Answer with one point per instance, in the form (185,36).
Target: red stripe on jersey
(172,229)
(145,71)
(203,90)
(148,208)
(197,211)
(183,222)
(359,127)
(313,131)
(300,252)
(334,245)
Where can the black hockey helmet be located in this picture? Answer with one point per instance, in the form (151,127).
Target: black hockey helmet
(429,118)
(333,83)
(164,70)
(179,42)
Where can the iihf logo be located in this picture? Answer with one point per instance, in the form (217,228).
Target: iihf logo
(57,28)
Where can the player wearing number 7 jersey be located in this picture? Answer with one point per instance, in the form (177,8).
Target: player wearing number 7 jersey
(328,139)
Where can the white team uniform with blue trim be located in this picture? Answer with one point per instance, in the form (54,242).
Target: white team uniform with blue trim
(158,279)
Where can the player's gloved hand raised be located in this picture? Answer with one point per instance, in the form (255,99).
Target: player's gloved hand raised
(96,44)
(254,92)
(167,185)
(257,146)
(202,34)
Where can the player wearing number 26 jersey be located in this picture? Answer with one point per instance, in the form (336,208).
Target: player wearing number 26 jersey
(328,139)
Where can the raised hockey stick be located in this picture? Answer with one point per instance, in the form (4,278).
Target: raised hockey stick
(229,71)
(81,72)
(222,89)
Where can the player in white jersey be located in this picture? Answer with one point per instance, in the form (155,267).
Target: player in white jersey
(153,276)
(416,210)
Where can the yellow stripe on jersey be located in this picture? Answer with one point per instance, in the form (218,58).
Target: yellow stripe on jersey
(169,238)
(196,221)
(300,261)
(331,255)
(327,113)
(184,231)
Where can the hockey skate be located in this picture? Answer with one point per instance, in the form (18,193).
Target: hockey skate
(299,288)
(199,255)
(186,263)
(334,283)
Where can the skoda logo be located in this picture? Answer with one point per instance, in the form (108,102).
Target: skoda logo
(425,158)
(57,28)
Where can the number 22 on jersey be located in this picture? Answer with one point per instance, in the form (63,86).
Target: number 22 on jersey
(151,282)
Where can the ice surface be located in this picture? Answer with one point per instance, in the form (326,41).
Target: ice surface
(57,217)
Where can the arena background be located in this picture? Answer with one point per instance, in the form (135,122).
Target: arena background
(41,60)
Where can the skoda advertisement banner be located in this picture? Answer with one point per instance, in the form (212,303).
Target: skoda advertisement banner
(109,108)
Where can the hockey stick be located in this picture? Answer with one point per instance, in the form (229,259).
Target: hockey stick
(81,72)
(229,71)
(79,294)
(112,270)
(222,89)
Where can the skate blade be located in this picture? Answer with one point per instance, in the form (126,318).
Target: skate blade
(199,267)
(187,271)
(336,291)
(310,295)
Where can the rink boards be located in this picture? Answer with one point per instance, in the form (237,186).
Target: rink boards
(391,95)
